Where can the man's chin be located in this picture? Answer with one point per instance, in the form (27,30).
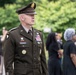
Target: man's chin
(31,24)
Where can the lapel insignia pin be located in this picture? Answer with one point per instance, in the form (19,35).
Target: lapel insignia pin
(37,33)
(21,30)
(22,39)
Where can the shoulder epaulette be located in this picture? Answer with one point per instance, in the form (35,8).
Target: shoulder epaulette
(40,31)
(13,29)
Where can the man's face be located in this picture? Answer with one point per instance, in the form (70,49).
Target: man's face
(28,19)
(58,37)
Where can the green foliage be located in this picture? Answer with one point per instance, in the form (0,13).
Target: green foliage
(3,2)
(8,17)
(57,15)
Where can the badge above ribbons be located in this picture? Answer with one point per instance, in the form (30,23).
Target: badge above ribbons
(22,41)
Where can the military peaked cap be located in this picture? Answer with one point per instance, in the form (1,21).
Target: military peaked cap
(29,9)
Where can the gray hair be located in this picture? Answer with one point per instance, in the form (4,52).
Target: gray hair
(69,33)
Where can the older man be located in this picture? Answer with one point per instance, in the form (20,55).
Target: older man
(24,46)
(69,60)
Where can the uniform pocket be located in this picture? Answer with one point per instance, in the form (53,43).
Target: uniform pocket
(22,50)
(21,69)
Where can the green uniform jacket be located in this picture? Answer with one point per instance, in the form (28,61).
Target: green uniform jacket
(26,51)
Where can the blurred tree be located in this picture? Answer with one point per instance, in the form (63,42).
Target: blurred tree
(3,2)
(53,0)
(59,14)
(59,0)
(73,0)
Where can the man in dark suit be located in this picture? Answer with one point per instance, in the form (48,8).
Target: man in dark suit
(24,46)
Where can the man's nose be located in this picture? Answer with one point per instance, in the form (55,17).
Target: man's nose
(33,16)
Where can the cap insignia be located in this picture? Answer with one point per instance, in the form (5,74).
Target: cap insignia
(32,5)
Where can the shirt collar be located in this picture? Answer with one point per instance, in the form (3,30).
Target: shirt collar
(26,29)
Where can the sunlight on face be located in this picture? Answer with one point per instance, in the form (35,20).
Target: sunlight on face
(28,19)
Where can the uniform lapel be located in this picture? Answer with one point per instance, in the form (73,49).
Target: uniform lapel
(34,36)
(24,33)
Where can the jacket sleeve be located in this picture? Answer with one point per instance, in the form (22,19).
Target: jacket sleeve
(8,49)
(48,41)
(43,60)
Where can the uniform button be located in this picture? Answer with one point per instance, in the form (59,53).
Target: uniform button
(38,58)
(23,45)
(21,30)
(37,33)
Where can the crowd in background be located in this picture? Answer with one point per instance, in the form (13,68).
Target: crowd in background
(62,56)
(59,63)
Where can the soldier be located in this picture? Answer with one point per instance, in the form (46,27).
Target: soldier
(24,46)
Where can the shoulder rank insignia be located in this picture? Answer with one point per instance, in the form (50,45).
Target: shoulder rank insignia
(13,29)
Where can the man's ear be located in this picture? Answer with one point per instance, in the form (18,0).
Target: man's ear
(21,17)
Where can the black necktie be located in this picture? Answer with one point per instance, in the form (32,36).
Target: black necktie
(30,32)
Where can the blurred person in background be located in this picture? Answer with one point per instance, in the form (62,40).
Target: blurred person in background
(60,44)
(2,38)
(69,59)
(59,40)
(54,66)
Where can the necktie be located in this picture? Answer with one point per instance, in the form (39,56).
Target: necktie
(30,32)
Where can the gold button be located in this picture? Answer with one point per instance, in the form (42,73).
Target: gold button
(23,51)
(21,30)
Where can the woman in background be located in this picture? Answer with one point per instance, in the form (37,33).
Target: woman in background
(69,60)
(54,66)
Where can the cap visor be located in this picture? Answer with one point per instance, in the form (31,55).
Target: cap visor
(32,13)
